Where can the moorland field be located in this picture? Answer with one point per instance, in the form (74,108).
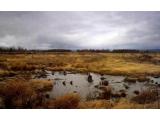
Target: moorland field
(18,89)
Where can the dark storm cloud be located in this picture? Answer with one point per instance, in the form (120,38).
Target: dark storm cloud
(71,30)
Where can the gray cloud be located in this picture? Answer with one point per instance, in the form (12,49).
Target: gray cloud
(71,30)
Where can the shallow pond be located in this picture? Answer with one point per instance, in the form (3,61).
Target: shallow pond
(78,83)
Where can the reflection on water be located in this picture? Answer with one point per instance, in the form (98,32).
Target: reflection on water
(77,83)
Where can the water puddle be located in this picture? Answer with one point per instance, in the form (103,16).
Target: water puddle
(68,82)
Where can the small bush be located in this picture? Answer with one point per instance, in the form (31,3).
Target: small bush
(68,101)
(17,94)
(147,96)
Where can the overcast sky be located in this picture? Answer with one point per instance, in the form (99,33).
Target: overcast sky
(80,30)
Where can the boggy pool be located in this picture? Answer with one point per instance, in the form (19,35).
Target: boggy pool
(71,82)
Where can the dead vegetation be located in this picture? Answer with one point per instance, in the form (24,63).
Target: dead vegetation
(42,85)
(72,101)
(133,79)
(5,73)
(96,104)
(106,92)
(147,96)
(18,94)
(68,101)
(27,93)
(126,104)
(105,63)
(24,94)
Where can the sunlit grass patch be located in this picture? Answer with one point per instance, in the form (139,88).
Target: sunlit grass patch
(96,104)
(68,101)
(126,104)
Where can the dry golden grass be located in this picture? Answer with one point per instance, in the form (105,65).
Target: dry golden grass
(108,63)
(20,66)
(147,96)
(95,104)
(6,73)
(68,101)
(42,85)
(131,64)
(126,104)
(27,94)
(17,94)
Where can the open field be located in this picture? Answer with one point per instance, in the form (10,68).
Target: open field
(17,70)
(104,63)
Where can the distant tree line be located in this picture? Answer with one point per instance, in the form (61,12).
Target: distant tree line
(11,50)
(135,51)
(128,51)
(24,50)
(94,50)
(119,50)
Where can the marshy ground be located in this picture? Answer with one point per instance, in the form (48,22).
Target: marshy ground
(61,80)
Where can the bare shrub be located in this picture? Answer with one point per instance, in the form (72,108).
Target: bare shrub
(147,96)
(18,94)
(68,101)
